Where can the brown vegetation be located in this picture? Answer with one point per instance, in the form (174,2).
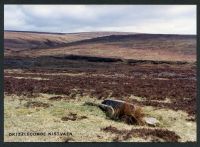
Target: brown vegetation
(58,98)
(103,44)
(129,114)
(73,117)
(154,134)
(153,83)
(34,104)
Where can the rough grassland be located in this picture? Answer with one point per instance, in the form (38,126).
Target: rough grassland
(19,118)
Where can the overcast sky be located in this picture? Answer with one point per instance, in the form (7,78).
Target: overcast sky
(170,19)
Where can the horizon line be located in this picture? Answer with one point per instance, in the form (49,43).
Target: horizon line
(29,31)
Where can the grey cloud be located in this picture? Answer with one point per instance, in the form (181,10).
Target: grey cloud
(98,17)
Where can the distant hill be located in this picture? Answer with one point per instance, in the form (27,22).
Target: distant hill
(20,40)
(102,44)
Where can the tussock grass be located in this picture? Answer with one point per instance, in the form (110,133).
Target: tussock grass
(129,114)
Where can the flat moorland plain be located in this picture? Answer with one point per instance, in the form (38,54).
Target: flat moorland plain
(48,78)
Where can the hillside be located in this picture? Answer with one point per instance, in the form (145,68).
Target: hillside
(51,80)
(102,44)
(19,40)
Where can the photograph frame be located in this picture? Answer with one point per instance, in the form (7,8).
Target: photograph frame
(116,2)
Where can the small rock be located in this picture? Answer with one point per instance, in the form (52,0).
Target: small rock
(151,121)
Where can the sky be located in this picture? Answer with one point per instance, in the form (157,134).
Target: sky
(162,19)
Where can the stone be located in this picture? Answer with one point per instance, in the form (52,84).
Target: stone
(151,121)
(108,109)
(116,104)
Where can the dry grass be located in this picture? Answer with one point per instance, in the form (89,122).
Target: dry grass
(114,51)
(18,118)
(130,115)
